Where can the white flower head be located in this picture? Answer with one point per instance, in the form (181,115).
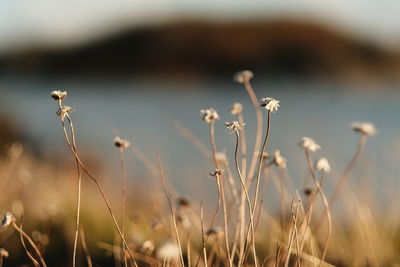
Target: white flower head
(121,143)
(4,253)
(323,165)
(209,115)
(221,157)
(278,160)
(58,95)
(236,108)
(365,128)
(147,247)
(234,126)
(7,219)
(309,144)
(270,104)
(243,76)
(64,111)
(168,251)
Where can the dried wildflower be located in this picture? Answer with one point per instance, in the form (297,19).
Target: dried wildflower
(216,173)
(184,221)
(4,253)
(308,191)
(7,219)
(365,128)
(278,160)
(121,143)
(243,76)
(216,232)
(221,157)
(309,144)
(183,202)
(270,104)
(209,115)
(168,251)
(234,126)
(323,164)
(58,95)
(147,247)
(63,111)
(236,108)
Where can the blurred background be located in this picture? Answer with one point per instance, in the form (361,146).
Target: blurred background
(139,68)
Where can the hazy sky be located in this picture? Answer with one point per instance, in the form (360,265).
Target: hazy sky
(65,22)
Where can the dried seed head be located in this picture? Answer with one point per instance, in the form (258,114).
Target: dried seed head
(243,76)
(216,173)
(63,111)
(216,231)
(58,95)
(309,144)
(168,251)
(121,143)
(209,115)
(147,247)
(270,104)
(323,165)
(234,126)
(183,202)
(7,219)
(4,253)
(365,128)
(278,160)
(236,108)
(308,191)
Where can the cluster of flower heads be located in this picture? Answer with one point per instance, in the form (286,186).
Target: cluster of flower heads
(234,126)
(270,104)
(63,110)
(209,115)
(365,128)
(121,143)
(309,144)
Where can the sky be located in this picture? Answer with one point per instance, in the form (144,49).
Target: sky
(68,22)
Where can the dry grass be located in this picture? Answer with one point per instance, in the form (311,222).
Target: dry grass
(56,201)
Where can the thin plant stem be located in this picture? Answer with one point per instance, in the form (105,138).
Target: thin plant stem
(326,204)
(31,243)
(202,235)
(89,174)
(123,200)
(222,189)
(241,260)
(30,256)
(258,137)
(171,207)
(85,248)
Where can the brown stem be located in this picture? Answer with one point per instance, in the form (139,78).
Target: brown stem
(123,200)
(85,249)
(171,207)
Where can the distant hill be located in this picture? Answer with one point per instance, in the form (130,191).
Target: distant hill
(192,48)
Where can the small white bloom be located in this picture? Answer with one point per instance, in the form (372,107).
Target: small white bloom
(147,247)
(221,157)
(8,217)
(366,128)
(63,111)
(58,95)
(234,126)
(243,76)
(309,144)
(122,143)
(278,160)
(270,104)
(209,115)
(168,251)
(323,165)
(236,108)
(4,253)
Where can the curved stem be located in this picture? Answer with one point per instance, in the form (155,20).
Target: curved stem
(251,224)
